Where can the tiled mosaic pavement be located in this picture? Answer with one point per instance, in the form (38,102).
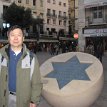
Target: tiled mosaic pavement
(65,72)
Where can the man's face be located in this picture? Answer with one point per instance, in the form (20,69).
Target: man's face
(16,38)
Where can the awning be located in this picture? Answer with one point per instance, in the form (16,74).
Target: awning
(95,35)
(65,38)
(44,40)
(101,32)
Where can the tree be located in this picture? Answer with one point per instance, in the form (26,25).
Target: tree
(27,17)
(18,15)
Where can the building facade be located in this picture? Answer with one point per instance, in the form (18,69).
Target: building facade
(56,17)
(92,23)
(3,6)
(73,16)
(36,7)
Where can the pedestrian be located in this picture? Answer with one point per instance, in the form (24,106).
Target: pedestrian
(100,51)
(56,49)
(64,47)
(90,49)
(20,81)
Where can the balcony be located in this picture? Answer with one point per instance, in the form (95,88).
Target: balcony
(65,17)
(54,16)
(8,1)
(49,14)
(62,17)
(97,21)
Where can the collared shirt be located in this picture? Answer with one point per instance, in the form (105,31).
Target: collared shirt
(12,70)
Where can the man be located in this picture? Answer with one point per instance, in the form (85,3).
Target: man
(100,51)
(20,82)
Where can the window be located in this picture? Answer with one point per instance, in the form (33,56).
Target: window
(48,1)
(60,3)
(54,1)
(6,0)
(100,14)
(54,21)
(54,12)
(41,3)
(60,13)
(41,15)
(94,15)
(97,12)
(53,30)
(48,11)
(64,14)
(64,4)
(5,8)
(34,2)
(60,22)
(34,12)
(48,21)
(27,1)
(19,1)
(64,23)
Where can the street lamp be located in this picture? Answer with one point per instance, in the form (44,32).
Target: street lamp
(4,25)
(5,28)
(8,25)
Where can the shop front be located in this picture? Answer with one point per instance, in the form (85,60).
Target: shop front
(95,36)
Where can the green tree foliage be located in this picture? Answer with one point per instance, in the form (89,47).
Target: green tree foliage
(27,17)
(18,15)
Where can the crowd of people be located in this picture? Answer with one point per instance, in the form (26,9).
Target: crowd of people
(53,48)
(96,50)
(62,47)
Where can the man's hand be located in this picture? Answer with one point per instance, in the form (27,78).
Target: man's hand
(32,105)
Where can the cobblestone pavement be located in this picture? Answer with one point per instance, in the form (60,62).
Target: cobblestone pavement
(100,102)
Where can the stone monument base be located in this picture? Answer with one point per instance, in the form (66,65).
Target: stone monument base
(85,75)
